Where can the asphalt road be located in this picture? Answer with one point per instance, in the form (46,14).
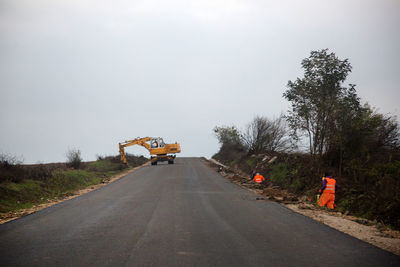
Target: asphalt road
(178,215)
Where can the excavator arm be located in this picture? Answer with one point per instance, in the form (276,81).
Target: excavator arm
(137,141)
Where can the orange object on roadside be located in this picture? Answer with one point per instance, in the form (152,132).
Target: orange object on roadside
(328,196)
(330,185)
(328,200)
(258,178)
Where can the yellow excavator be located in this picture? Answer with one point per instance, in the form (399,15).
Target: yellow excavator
(156,147)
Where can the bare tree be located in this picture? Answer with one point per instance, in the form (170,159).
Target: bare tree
(8,160)
(265,135)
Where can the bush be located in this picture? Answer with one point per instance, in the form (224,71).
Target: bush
(74,159)
(279,174)
(133,160)
(42,171)
(232,147)
(10,169)
(114,163)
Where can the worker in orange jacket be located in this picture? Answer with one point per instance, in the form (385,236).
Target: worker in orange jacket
(258,178)
(327,191)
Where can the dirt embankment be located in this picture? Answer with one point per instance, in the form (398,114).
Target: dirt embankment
(368,231)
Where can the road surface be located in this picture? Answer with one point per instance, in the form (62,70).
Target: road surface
(178,215)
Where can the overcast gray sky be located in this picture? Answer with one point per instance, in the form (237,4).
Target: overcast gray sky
(89,74)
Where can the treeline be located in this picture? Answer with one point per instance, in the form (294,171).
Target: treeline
(327,128)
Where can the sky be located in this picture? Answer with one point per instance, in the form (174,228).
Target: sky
(89,74)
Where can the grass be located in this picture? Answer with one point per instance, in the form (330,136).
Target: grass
(16,196)
(104,165)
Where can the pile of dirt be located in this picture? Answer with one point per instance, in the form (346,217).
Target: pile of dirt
(369,231)
(277,194)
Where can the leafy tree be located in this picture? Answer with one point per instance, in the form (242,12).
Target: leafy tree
(231,143)
(362,134)
(317,97)
(227,135)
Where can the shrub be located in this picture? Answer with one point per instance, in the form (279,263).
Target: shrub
(232,147)
(279,173)
(132,160)
(10,169)
(74,159)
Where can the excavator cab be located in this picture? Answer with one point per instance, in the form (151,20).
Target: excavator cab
(156,142)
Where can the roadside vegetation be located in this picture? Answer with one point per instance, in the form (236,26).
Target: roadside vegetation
(327,128)
(22,186)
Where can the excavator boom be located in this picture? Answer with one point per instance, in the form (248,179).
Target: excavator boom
(156,146)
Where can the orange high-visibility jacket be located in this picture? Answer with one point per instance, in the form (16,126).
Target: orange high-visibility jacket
(258,178)
(330,185)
